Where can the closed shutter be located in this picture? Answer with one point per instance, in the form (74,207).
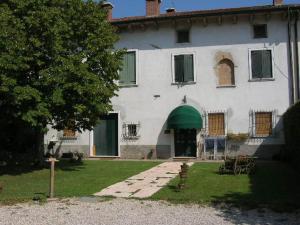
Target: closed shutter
(256,65)
(261,64)
(179,68)
(69,133)
(188,68)
(263,123)
(266,64)
(128,72)
(216,124)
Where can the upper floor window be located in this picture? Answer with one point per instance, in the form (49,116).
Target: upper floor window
(226,73)
(260,31)
(128,72)
(184,68)
(183,36)
(261,64)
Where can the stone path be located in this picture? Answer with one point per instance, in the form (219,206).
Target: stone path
(145,184)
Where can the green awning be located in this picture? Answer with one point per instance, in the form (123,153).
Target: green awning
(185,117)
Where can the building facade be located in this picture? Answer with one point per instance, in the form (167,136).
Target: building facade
(202,84)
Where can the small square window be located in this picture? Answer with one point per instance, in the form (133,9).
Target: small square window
(183,36)
(260,31)
(131,130)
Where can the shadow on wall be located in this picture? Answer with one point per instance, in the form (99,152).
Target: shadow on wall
(263,148)
(163,150)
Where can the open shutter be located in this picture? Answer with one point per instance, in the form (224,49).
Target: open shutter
(188,68)
(256,64)
(179,68)
(128,72)
(266,64)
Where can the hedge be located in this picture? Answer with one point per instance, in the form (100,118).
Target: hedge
(291,120)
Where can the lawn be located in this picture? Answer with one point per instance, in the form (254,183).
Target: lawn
(274,185)
(71,180)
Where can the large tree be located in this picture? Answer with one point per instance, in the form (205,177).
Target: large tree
(57,64)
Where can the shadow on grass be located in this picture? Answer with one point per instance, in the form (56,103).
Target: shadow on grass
(64,165)
(274,186)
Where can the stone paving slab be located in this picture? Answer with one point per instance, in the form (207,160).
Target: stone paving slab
(144,184)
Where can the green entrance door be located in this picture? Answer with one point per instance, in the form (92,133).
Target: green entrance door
(106,136)
(185,143)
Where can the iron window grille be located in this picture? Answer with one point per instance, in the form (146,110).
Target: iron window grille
(262,123)
(131,130)
(183,36)
(260,30)
(206,121)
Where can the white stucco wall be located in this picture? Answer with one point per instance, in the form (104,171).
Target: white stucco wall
(138,104)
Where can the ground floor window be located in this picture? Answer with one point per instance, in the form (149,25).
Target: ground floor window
(216,124)
(263,124)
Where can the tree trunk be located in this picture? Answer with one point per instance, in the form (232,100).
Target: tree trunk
(39,148)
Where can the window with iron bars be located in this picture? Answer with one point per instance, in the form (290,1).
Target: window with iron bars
(262,123)
(131,130)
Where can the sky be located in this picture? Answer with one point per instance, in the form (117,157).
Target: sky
(124,8)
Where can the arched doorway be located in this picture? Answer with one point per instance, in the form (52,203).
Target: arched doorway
(185,121)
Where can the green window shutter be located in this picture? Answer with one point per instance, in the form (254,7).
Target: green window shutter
(188,68)
(261,64)
(256,64)
(179,68)
(128,72)
(266,64)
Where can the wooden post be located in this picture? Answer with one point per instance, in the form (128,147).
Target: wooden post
(52,169)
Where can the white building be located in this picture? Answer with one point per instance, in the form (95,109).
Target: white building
(198,84)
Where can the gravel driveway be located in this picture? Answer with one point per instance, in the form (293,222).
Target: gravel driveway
(88,211)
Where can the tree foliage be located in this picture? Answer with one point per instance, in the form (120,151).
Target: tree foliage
(57,63)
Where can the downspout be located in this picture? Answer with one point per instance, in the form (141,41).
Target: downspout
(290,59)
(297,96)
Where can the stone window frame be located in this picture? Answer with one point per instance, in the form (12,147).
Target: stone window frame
(251,79)
(206,124)
(126,130)
(137,71)
(234,77)
(173,67)
(252,115)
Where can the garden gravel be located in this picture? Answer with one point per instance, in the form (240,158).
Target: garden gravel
(90,211)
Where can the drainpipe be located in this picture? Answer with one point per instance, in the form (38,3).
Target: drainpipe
(297,96)
(290,58)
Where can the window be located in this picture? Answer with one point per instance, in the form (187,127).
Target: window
(184,68)
(260,31)
(131,130)
(183,36)
(215,148)
(263,124)
(216,124)
(261,64)
(128,72)
(69,132)
(226,72)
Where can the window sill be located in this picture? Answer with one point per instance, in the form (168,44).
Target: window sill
(226,86)
(127,85)
(261,80)
(68,138)
(184,83)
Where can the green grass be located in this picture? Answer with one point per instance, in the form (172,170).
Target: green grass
(274,185)
(71,180)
